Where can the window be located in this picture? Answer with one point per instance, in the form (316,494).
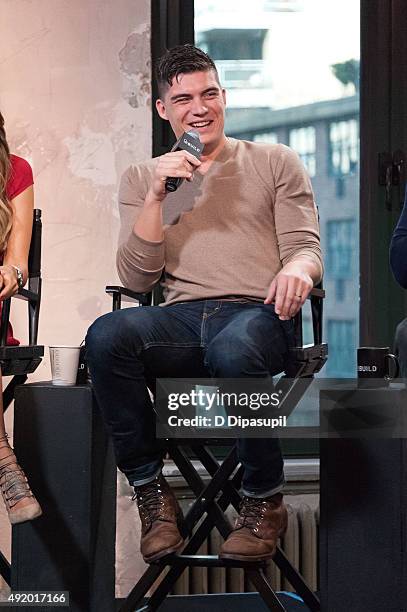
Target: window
(238,54)
(302,140)
(270,137)
(341,249)
(341,340)
(343,147)
(340,289)
(291,90)
(232,44)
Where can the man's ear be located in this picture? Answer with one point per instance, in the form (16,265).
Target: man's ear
(224,96)
(160,106)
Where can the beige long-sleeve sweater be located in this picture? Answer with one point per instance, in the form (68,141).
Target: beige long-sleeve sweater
(228,232)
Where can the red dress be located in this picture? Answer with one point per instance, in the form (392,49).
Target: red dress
(20,178)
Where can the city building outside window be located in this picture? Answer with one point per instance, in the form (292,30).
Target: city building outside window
(302,140)
(341,252)
(342,361)
(270,137)
(281,88)
(343,147)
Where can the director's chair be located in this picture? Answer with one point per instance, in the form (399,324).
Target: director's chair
(19,361)
(222,490)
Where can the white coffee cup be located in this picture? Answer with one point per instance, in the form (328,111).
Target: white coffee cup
(64,364)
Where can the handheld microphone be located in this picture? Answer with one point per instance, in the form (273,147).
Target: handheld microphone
(189,141)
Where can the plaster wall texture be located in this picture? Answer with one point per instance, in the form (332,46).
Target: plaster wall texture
(75,93)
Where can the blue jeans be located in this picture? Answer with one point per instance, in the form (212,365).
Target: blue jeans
(127,349)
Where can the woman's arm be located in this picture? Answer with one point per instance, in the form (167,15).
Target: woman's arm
(18,243)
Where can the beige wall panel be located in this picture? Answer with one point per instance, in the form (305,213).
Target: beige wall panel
(75,93)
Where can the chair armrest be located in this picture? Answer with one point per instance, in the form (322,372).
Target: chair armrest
(27,295)
(317,292)
(33,300)
(306,360)
(117,292)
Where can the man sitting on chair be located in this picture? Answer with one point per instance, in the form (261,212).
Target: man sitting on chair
(239,246)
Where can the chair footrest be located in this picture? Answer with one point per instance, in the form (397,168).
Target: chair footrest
(209,561)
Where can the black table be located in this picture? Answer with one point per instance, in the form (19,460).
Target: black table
(62,446)
(363,533)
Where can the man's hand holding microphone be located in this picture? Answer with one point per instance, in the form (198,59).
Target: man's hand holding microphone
(171,169)
(177,165)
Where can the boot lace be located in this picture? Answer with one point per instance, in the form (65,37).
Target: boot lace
(150,501)
(251,513)
(13,483)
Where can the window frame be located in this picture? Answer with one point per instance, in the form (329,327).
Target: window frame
(173,22)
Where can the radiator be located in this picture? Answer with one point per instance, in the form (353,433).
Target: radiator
(300,544)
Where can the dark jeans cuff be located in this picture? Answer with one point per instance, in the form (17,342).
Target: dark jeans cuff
(262,493)
(145,473)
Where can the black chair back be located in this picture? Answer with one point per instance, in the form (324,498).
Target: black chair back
(19,361)
(24,359)
(34,257)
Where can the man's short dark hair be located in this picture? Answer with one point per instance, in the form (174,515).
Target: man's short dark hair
(182,59)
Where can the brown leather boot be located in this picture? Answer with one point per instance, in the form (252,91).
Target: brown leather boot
(161,518)
(259,525)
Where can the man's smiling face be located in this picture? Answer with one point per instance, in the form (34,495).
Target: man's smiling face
(195,101)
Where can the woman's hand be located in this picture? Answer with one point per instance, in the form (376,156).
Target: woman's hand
(18,243)
(8,282)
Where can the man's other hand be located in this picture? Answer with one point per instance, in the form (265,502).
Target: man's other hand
(289,290)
